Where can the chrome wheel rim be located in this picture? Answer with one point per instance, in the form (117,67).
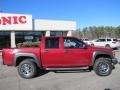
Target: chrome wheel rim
(103,68)
(26,69)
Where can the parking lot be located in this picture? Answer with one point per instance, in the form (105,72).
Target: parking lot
(79,80)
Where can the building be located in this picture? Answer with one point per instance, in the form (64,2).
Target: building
(18,28)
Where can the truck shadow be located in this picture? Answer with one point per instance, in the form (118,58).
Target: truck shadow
(43,72)
(75,71)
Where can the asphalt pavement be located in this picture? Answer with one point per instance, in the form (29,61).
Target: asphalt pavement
(10,80)
(78,80)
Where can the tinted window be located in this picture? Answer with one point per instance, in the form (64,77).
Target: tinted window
(108,39)
(72,43)
(115,40)
(52,43)
(101,40)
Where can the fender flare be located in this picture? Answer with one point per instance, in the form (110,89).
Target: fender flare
(96,53)
(30,55)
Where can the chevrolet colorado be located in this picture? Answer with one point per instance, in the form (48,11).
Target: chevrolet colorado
(60,53)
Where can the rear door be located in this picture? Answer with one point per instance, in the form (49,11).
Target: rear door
(52,54)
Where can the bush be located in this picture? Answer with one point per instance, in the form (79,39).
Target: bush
(28,44)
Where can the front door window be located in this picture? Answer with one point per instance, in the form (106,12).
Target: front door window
(72,43)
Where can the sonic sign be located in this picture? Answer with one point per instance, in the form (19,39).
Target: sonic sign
(15,22)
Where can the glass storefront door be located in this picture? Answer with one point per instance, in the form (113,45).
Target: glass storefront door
(58,33)
(4,40)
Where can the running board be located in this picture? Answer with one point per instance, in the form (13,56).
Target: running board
(73,68)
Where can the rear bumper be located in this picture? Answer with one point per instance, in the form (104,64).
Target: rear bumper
(115,46)
(114,61)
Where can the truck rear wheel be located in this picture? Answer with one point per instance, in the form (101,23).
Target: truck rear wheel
(27,69)
(103,67)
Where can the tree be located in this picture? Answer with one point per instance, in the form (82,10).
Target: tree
(117,31)
(93,32)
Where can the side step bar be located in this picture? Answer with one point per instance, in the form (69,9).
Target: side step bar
(73,68)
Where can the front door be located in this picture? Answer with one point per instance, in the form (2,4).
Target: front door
(75,53)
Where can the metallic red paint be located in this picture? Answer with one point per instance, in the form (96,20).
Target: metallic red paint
(60,57)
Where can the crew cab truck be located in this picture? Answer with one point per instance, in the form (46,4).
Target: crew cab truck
(60,53)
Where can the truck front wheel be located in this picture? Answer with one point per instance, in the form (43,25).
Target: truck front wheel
(103,67)
(27,69)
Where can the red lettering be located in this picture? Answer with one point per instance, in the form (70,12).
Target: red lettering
(12,20)
(6,20)
(22,19)
(15,20)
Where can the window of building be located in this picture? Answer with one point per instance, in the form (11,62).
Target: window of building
(4,40)
(52,43)
(58,33)
(21,37)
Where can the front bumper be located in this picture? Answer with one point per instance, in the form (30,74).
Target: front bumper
(114,61)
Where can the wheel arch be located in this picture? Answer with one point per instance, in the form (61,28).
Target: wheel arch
(19,57)
(108,45)
(98,54)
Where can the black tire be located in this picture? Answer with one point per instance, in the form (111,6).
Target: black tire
(107,46)
(27,69)
(103,66)
(92,45)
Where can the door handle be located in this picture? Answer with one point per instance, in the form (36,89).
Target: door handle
(66,51)
(46,51)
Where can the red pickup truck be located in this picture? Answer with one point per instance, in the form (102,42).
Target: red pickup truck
(60,53)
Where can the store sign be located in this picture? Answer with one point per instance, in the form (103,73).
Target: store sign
(15,22)
(12,20)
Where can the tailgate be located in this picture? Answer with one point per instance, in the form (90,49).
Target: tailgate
(7,57)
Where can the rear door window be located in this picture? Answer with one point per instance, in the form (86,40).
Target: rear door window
(115,40)
(108,40)
(101,40)
(52,43)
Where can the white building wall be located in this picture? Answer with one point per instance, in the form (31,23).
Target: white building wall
(54,25)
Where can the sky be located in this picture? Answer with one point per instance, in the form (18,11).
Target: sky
(85,12)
